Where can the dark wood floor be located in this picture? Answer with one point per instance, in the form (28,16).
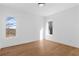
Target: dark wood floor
(40,48)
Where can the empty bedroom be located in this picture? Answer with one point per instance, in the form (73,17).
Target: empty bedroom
(39,29)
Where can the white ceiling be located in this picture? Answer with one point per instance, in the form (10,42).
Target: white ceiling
(48,9)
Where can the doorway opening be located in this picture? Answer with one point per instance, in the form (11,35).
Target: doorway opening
(41,34)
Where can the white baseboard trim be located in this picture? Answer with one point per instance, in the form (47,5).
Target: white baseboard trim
(61,42)
(18,44)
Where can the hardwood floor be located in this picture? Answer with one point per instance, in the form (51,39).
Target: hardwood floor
(40,48)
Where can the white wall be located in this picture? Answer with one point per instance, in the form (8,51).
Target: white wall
(27,28)
(66,26)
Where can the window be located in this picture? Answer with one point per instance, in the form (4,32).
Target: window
(50,27)
(10,27)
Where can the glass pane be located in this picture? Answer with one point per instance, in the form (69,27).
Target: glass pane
(10,27)
(50,27)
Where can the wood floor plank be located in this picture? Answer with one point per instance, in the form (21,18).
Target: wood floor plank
(40,48)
